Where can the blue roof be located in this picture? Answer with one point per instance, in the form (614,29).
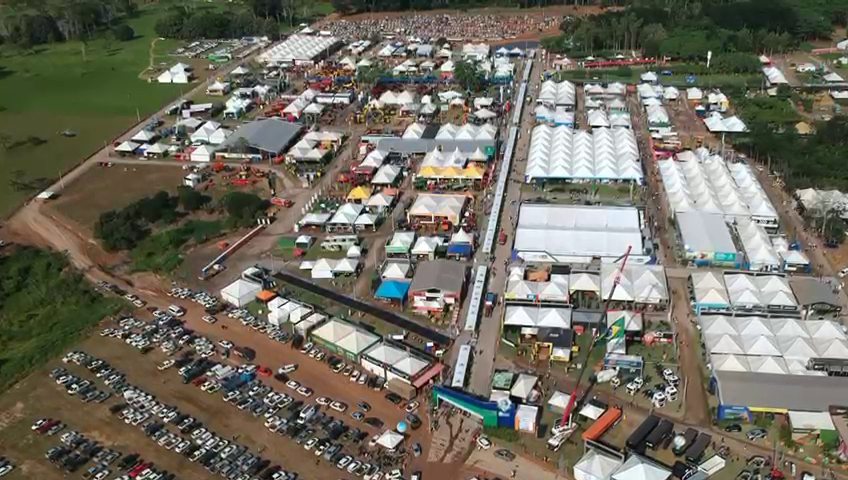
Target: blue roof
(459,249)
(393,290)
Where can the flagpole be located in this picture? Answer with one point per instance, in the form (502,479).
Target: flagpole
(572,399)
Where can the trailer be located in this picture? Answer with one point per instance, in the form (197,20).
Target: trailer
(688,437)
(604,423)
(659,434)
(696,451)
(636,438)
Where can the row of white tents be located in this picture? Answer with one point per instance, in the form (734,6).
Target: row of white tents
(564,153)
(699,181)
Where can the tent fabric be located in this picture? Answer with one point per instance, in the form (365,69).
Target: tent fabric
(637,467)
(558,401)
(729,363)
(393,290)
(397,270)
(534,317)
(523,386)
(594,465)
(603,154)
(390,439)
(240,292)
(811,421)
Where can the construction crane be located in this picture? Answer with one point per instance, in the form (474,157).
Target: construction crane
(572,399)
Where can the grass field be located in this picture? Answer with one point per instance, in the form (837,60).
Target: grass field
(45,309)
(52,89)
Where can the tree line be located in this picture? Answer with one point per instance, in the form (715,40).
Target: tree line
(358,6)
(686,29)
(252,17)
(26,23)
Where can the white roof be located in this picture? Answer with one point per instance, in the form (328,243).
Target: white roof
(333,331)
(576,230)
(586,282)
(775,76)
(379,199)
(447,205)
(402,239)
(127,147)
(594,465)
(534,317)
(640,468)
(559,399)
(523,386)
(426,245)
(347,214)
(632,320)
(592,411)
(768,364)
(639,283)
(717,124)
(563,153)
(397,270)
(386,175)
(811,420)
(385,354)
(703,182)
(357,341)
(157,147)
(144,136)
(390,439)
(410,365)
(346,265)
(723,343)
(705,232)
(557,94)
(297,48)
(324,268)
(240,291)
(729,363)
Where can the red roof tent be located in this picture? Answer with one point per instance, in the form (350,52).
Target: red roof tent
(428,375)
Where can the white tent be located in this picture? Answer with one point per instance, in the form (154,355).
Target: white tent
(768,364)
(240,292)
(640,468)
(485,114)
(558,401)
(345,265)
(324,268)
(127,147)
(397,270)
(592,411)
(729,363)
(157,149)
(523,386)
(144,136)
(202,153)
(390,439)
(595,465)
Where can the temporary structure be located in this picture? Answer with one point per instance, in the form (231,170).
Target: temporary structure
(240,292)
(390,439)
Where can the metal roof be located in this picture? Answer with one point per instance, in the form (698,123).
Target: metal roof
(270,135)
(794,392)
(705,233)
(445,275)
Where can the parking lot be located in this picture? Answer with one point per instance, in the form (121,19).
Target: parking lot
(171,380)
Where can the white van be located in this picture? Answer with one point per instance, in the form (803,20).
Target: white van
(337,243)
(176,311)
(306,414)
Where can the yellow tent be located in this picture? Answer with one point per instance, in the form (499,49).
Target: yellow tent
(427,172)
(449,172)
(359,193)
(473,172)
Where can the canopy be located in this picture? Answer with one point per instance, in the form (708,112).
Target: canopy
(240,292)
(144,136)
(390,439)
(127,147)
(558,401)
(595,466)
(640,468)
(523,386)
(393,290)
(359,193)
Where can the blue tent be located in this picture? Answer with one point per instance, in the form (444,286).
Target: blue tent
(393,290)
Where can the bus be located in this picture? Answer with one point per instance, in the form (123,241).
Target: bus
(603,424)
(659,434)
(460,370)
(638,436)
(696,451)
(688,436)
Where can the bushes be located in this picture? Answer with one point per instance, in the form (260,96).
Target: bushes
(161,252)
(505,434)
(46,307)
(243,208)
(122,230)
(123,33)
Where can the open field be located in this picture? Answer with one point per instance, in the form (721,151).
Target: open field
(103,189)
(53,89)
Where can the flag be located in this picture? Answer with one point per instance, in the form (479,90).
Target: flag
(616,330)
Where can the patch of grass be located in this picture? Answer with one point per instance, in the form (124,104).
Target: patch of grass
(162,252)
(505,434)
(52,89)
(47,306)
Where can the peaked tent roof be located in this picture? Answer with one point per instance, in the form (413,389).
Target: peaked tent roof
(595,466)
(640,468)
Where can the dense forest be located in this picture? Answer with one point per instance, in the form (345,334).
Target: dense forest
(358,6)
(688,29)
(26,23)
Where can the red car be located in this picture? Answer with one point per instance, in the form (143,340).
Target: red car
(264,371)
(199,381)
(137,470)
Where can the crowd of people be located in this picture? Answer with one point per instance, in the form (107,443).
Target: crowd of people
(450,26)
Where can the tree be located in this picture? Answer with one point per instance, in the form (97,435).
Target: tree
(123,33)
(190,199)
(243,208)
(468,76)
(118,231)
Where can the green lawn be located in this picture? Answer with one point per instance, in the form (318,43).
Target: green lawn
(52,89)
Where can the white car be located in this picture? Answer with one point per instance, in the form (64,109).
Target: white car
(344,461)
(293,384)
(323,401)
(209,319)
(411,407)
(484,443)
(639,382)
(310,443)
(338,406)
(842,272)
(288,368)
(305,391)
(667,373)
(394,474)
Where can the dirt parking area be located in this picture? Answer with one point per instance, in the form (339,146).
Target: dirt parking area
(102,189)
